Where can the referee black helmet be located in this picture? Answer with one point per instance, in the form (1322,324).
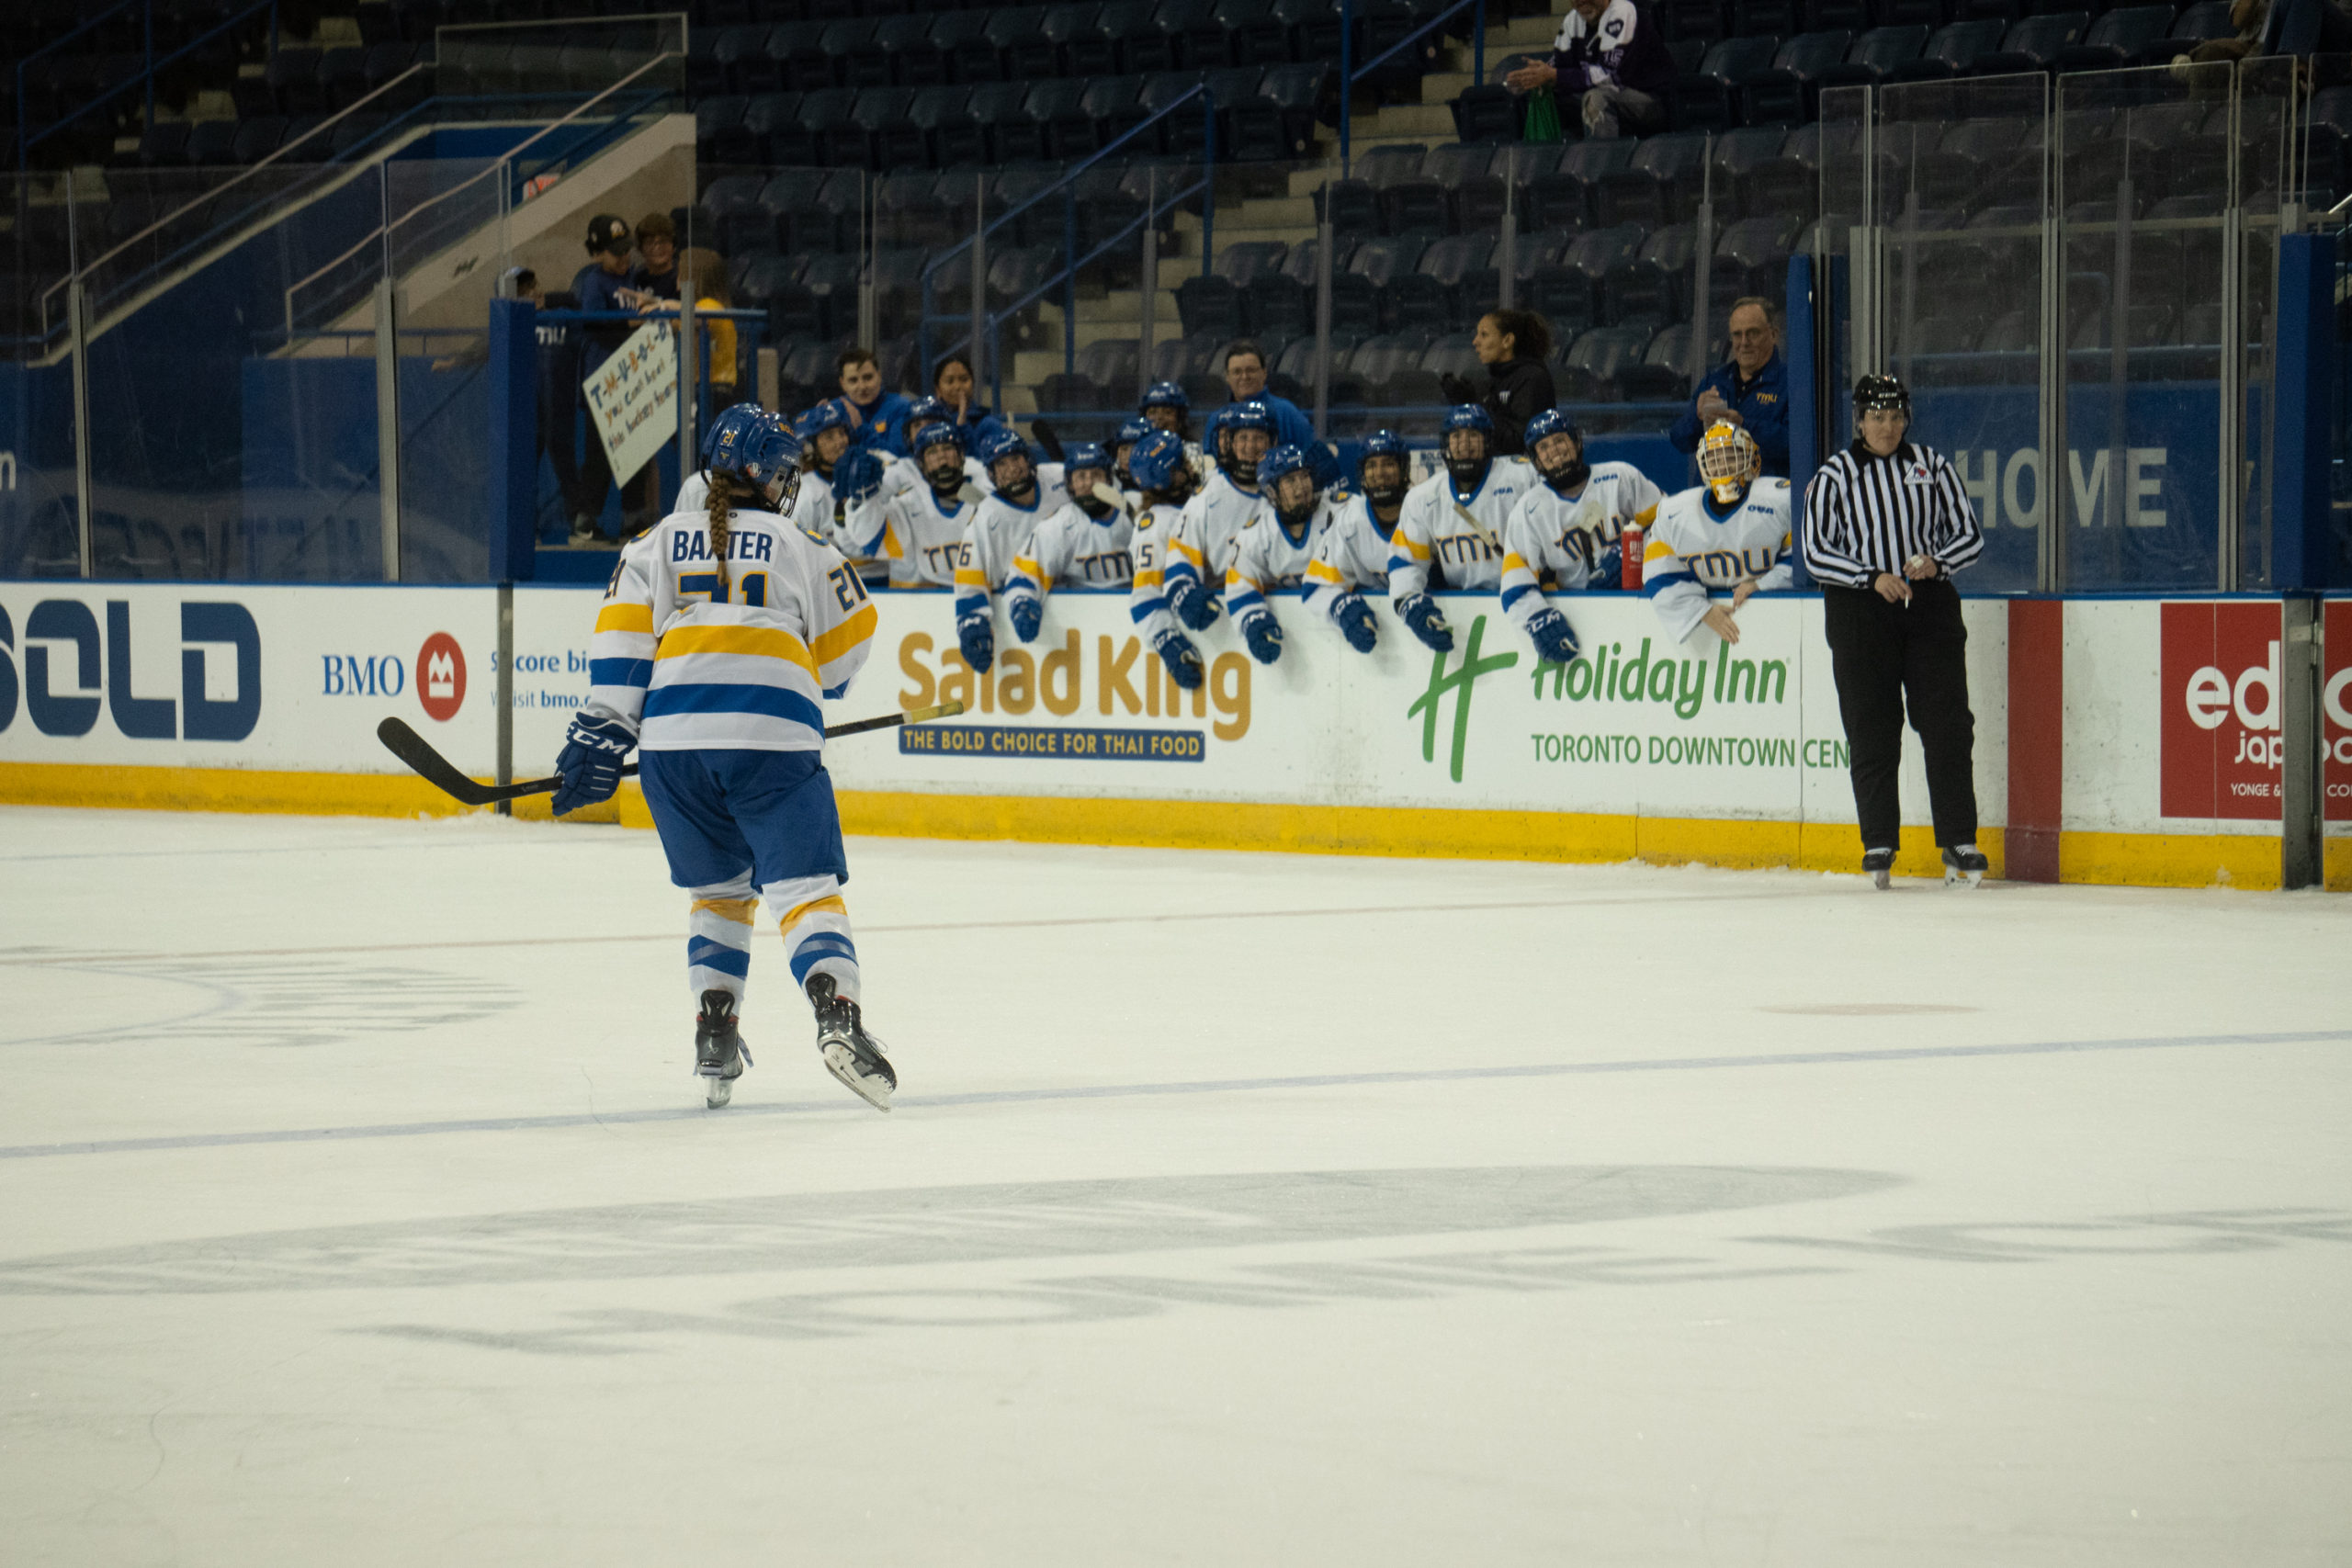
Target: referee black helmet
(1881,392)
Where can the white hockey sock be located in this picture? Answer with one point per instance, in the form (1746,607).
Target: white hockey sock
(816,930)
(718,938)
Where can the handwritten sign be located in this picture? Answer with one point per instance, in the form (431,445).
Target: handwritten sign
(633,398)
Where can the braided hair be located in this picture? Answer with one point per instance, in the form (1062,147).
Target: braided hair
(727,492)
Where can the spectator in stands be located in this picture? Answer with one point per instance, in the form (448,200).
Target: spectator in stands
(703,272)
(1514,347)
(1752,390)
(655,277)
(1615,61)
(602,285)
(878,418)
(952,383)
(1244,377)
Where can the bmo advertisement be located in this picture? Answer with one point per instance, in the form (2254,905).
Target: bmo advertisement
(2223,752)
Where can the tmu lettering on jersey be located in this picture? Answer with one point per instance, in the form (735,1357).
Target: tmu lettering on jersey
(1129,679)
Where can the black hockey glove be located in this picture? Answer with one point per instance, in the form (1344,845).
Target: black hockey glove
(1264,635)
(1192,603)
(1555,643)
(1355,622)
(1028,615)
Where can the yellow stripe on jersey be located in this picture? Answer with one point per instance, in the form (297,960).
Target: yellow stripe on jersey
(891,549)
(831,645)
(1511,561)
(1029,569)
(971,577)
(625,618)
(1180,547)
(1321,572)
(1655,549)
(1405,540)
(1648,515)
(765,641)
(1148,578)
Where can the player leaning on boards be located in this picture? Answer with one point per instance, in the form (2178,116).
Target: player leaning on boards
(1449,533)
(1564,531)
(998,533)
(1276,549)
(1209,531)
(1886,524)
(1730,531)
(722,632)
(1164,481)
(1354,555)
(1086,542)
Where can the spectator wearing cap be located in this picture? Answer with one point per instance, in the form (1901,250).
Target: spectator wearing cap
(1244,377)
(602,285)
(877,418)
(1752,390)
(1613,61)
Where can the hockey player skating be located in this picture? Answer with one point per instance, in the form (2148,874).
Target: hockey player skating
(1564,531)
(1729,532)
(1449,533)
(1203,546)
(999,532)
(1276,549)
(1352,558)
(1166,481)
(720,638)
(1085,544)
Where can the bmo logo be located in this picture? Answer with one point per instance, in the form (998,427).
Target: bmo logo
(441,677)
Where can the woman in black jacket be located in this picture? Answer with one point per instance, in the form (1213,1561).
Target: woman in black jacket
(1514,347)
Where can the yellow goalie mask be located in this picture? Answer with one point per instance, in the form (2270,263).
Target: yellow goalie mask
(1729,461)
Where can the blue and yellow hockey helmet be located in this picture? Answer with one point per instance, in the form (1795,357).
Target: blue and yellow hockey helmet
(1157,461)
(1167,395)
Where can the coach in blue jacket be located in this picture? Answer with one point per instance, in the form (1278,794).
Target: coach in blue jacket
(1245,377)
(1752,390)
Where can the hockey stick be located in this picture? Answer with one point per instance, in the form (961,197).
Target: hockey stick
(439,771)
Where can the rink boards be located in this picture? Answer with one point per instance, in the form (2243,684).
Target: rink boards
(2141,734)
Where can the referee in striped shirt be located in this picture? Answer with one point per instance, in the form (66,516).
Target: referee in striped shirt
(1886,524)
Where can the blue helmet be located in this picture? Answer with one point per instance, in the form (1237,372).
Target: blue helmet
(752,442)
(925,409)
(937,433)
(1167,395)
(1386,443)
(827,415)
(1553,422)
(1132,431)
(1468,416)
(1086,455)
(1157,460)
(1282,461)
(1251,415)
(1002,442)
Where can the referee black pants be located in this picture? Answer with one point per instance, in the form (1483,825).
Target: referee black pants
(1890,657)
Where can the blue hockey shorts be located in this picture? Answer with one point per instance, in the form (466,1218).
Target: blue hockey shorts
(721,814)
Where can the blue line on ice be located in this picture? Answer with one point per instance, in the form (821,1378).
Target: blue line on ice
(1206,1086)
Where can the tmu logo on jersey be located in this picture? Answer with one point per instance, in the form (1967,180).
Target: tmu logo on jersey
(2221,710)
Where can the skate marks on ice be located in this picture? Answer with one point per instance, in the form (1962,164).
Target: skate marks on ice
(289,1002)
(786,1233)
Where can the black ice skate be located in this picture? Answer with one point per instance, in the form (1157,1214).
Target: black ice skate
(850,1054)
(1879,866)
(1964,865)
(721,1054)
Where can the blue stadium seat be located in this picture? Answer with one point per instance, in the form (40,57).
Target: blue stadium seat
(1314,29)
(1210,304)
(1017,34)
(960,39)
(1131,27)
(1200,37)
(1691,21)
(1462,265)
(1182,133)
(1763,19)
(1652,288)
(1786,94)
(2034,44)
(1115,106)
(1256,34)
(1587,372)
(1064,129)
(943,116)
(2121,38)
(1350,206)
(732,203)
(999,110)
(1875,55)
(1661,184)
(1075,34)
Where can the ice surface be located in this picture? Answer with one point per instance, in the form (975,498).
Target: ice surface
(356,1206)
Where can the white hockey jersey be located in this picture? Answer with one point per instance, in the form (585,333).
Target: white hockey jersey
(1353,555)
(1552,541)
(1688,550)
(1434,542)
(1147,590)
(1209,532)
(1075,549)
(1269,560)
(689,664)
(998,533)
(921,540)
